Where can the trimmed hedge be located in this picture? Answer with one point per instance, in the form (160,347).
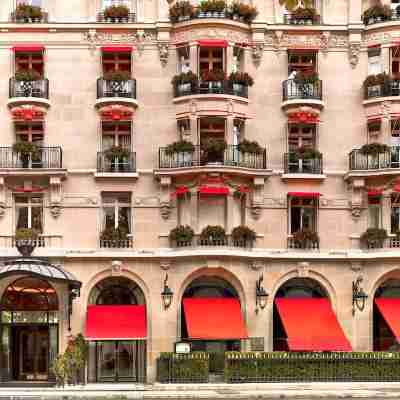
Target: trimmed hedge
(308,367)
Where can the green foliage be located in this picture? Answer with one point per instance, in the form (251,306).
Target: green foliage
(116,11)
(181,9)
(27,11)
(27,75)
(242,78)
(306,78)
(374,149)
(118,76)
(215,75)
(292,4)
(305,239)
(213,6)
(182,146)
(305,13)
(247,146)
(114,234)
(182,233)
(374,237)
(185,77)
(26,149)
(26,234)
(213,146)
(243,233)
(378,11)
(247,12)
(116,152)
(306,153)
(213,233)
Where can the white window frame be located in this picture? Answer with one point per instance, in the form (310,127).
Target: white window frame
(117,205)
(290,206)
(28,205)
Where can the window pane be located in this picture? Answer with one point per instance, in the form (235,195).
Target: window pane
(124,218)
(295,219)
(308,218)
(395,219)
(109,218)
(22,217)
(374,216)
(37,222)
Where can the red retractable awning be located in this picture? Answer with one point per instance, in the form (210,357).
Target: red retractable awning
(214,318)
(375,192)
(390,310)
(28,48)
(181,190)
(116,49)
(311,325)
(214,190)
(305,194)
(213,43)
(116,322)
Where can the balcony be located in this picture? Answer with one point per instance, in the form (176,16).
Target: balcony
(210,88)
(296,93)
(207,243)
(302,168)
(42,17)
(116,92)
(43,241)
(116,244)
(387,89)
(289,19)
(306,244)
(124,167)
(28,92)
(129,19)
(387,163)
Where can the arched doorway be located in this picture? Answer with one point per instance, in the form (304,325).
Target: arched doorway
(211,318)
(386,316)
(304,319)
(29,326)
(116,327)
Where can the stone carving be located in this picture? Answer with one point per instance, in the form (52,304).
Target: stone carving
(211,33)
(356,212)
(371,39)
(116,268)
(165,209)
(386,109)
(2,209)
(354,54)
(258,50)
(325,41)
(303,269)
(356,266)
(256,209)
(55,210)
(163,51)
(166,265)
(256,265)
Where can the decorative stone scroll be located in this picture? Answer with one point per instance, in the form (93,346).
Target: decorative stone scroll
(258,50)
(257,202)
(354,53)
(55,196)
(163,52)
(193,34)
(357,186)
(165,198)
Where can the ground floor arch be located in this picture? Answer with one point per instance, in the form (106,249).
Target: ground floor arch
(116,328)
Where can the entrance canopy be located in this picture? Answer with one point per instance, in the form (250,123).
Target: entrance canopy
(311,325)
(39,268)
(214,318)
(116,322)
(390,310)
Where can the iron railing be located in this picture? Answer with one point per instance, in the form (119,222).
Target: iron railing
(290,19)
(231,156)
(37,89)
(213,15)
(116,164)
(47,157)
(130,18)
(42,241)
(228,241)
(307,244)
(109,88)
(376,20)
(312,367)
(389,159)
(389,243)
(208,87)
(44,18)
(292,90)
(389,88)
(295,165)
(116,244)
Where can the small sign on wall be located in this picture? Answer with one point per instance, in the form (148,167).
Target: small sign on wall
(182,348)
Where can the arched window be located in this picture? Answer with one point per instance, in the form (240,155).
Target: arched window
(210,286)
(301,287)
(29,294)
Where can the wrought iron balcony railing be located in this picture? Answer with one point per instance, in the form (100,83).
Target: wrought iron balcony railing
(308,244)
(226,242)
(29,20)
(289,19)
(39,89)
(208,87)
(116,244)
(116,164)
(47,158)
(376,20)
(389,88)
(292,90)
(130,18)
(108,88)
(230,157)
(295,165)
(389,159)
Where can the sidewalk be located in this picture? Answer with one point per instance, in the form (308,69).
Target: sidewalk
(215,391)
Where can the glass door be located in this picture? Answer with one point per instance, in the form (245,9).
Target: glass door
(106,361)
(126,367)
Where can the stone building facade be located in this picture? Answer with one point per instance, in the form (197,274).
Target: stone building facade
(73,190)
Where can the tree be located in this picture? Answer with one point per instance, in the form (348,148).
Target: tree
(293,4)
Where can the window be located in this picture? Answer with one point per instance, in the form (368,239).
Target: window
(212,129)
(302,214)
(183,59)
(374,212)
(211,58)
(301,61)
(374,128)
(301,135)
(29,132)
(117,61)
(117,211)
(29,212)
(36,3)
(374,61)
(395,213)
(395,61)
(237,63)
(30,60)
(116,134)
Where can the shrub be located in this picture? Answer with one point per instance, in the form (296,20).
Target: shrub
(215,75)
(118,76)
(374,237)
(182,233)
(248,12)
(213,232)
(246,146)
(306,78)
(214,146)
(181,9)
(26,234)
(185,77)
(374,149)
(306,153)
(114,234)
(182,146)
(213,6)
(305,239)
(305,13)
(116,152)
(27,11)
(242,78)
(27,75)
(26,149)
(243,233)
(116,11)
(383,12)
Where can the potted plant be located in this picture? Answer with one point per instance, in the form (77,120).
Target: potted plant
(247,13)
(374,149)
(305,239)
(213,235)
(117,76)
(181,236)
(251,147)
(307,153)
(214,150)
(185,82)
(114,236)
(374,238)
(181,11)
(377,13)
(117,155)
(181,151)
(26,151)
(27,75)
(212,8)
(290,5)
(243,236)
(27,13)
(36,14)
(303,78)
(239,80)
(213,80)
(305,15)
(116,13)
(26,240)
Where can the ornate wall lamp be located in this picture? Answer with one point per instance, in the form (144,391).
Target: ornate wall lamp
(359,296)
(261,294)
(167,294)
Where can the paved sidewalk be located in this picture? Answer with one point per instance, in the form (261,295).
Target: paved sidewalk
(215,391)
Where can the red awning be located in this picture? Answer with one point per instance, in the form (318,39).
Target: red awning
(305,194)
(181,190)
(390,310)
(116,322)
(311,325)
(214,318)
(375,192)
(116,49)
(214,190)
(213,43)
(29,49)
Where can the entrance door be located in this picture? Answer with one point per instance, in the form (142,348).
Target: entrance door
(31,353)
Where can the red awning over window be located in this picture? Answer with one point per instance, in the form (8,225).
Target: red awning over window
(116,49)
(214,190)
(212,43)
(305,194)
(214,318)
(28,49)
(390,310)
(311,325)
(116,322)
(375,192)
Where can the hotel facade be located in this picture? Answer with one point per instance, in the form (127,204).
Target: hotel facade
(104,153)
